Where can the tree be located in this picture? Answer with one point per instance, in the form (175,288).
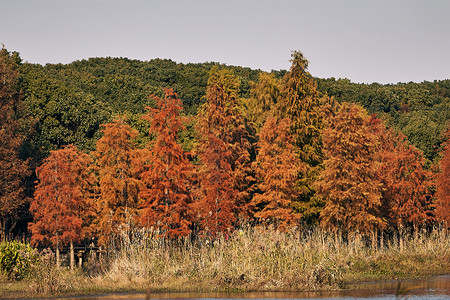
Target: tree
(263,98)
(301,102)
(443,184)
(117,167)
(222,150)
(406,192)
(13,169)
(63,115)
(349,183)
(60,199)
(166,192)
(276,168)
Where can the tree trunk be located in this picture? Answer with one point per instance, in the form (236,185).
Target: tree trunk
(58,259)
(72,256)
(374,239)
(3,230)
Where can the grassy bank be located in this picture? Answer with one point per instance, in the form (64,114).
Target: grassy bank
(249,259)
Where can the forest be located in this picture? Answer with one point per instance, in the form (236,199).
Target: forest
(96,147)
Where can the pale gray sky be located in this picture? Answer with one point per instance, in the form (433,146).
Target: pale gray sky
(386,41)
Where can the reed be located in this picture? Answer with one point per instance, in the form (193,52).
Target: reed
(249,259)
(265,259)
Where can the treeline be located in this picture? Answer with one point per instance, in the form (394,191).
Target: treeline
(253,147)
(99,88)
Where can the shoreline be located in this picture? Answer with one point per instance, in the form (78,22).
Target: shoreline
(387,284)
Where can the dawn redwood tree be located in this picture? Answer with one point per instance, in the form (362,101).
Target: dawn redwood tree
(406,196)
(222,151)
(13,169)
(263,98)
(349,183)
(443,184)
(166,177)
(300,101)
(60,200)
(117,163)
(276,168)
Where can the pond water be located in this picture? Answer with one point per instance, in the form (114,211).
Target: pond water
(426,289)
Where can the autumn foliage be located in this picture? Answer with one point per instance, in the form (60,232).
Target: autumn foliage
(13,169)
(407,198)
(276,168)
(116,160)
(222,150)
(443,184)
(60,200)
(166,177)
(350,181)
(285,157)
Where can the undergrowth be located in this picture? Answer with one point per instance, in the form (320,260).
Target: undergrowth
(249,259)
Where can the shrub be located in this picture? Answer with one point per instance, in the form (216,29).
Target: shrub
(16,259)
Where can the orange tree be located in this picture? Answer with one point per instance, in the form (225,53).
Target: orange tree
(117,161)
(13,169)
(276,168)
(349,184)
(166,177)
(60,200)
(443,184)
(406,195)
(222,151)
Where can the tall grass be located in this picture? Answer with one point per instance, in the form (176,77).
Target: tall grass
(265,259)
(248,259)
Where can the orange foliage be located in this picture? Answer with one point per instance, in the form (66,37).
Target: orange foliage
(60,200)
(443,184)
(406,184)
(117,160)
(13,170)
(165,195)
(349,182)
(223,154)
(276,168)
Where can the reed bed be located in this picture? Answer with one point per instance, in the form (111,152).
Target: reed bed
(249,259)
(264,259)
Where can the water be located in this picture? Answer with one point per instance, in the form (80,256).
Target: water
(436,288)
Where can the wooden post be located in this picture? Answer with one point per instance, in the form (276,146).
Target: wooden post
(80,258)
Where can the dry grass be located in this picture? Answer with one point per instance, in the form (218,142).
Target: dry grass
(250,259)
(263,259)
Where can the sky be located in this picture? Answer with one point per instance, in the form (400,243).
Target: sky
(384,41)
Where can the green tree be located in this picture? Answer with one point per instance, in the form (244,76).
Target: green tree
(301,102)
(263,98)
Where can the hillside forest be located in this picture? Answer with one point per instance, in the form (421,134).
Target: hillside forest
(92,148)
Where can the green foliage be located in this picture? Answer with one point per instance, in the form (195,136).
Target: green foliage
(16,259)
